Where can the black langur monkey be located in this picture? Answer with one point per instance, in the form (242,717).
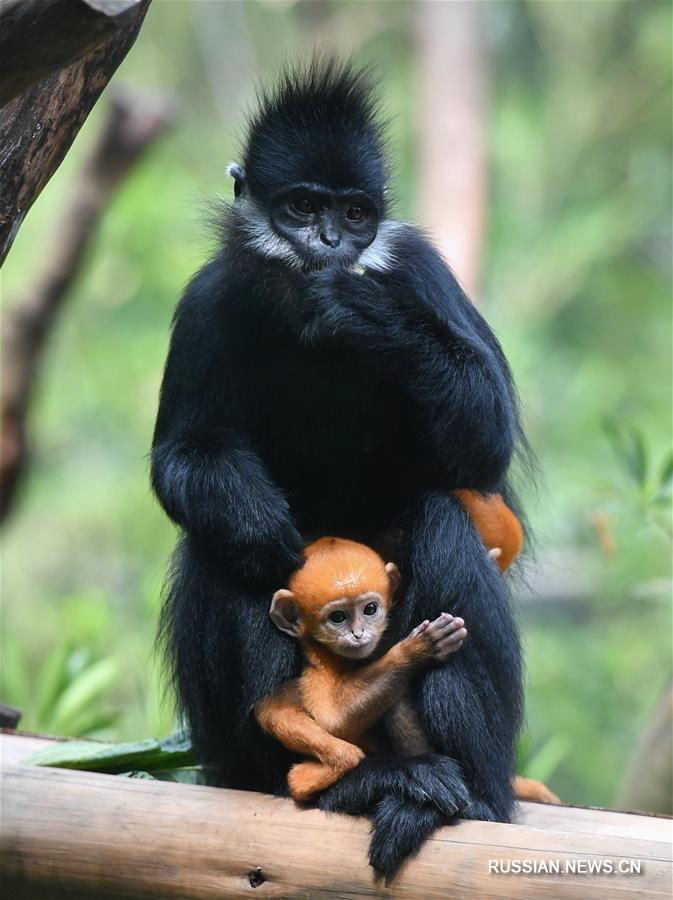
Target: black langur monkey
(327,375)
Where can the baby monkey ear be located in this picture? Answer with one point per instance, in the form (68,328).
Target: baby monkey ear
(394,576)
(285,613)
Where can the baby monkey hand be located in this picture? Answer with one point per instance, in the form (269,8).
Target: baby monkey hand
(437,640)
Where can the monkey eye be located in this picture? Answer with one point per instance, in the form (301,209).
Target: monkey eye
(356,213)
(370,609)
(337,617)
(302,206)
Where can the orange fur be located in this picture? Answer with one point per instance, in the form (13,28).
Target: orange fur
(496,523)
(530,789)
(334,568)
(327,712)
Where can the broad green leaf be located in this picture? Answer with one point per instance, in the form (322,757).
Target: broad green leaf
(94,756)
(638,456)
(81,693)
(51,681)
(180,775)
(666,477)
(92,720)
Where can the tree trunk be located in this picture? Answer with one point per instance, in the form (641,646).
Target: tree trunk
(452,123)
(38,127)
(40,36)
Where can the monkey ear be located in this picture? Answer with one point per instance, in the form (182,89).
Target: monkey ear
(285,613)
(238,174)
(394,576)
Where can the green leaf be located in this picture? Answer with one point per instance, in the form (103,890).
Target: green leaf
(51,681)
(84,690)
(548,758)
(180,775)
(666,477)
(93,720)
(638,456)
(94,756)
(629,447)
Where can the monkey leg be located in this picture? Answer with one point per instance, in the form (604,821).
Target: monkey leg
(225,655)
(471,706)
(405,730)
(282,717)
(530,789)
(306,779)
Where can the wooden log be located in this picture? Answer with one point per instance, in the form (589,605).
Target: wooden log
(73,834)
(40,36)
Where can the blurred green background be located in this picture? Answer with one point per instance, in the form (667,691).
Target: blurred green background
(576,282)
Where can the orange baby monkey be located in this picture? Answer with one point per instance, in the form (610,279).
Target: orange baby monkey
(337,606)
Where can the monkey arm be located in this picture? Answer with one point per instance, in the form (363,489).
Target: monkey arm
(206,475)
(359,698)
(417,326)
(282,716)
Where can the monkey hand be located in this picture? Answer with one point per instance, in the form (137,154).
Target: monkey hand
(435,641)
(343,302)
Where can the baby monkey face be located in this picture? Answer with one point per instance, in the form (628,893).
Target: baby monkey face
(352,627)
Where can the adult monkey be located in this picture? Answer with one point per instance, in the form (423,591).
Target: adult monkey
(327,375)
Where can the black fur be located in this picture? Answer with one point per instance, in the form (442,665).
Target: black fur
(293,134)
(301,402)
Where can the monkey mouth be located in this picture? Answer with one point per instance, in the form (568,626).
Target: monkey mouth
(359,649)
(320,263)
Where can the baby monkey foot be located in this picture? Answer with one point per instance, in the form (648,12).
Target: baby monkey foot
(441,637)
(306,779)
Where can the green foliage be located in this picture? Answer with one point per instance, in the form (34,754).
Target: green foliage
(542,763)
(576,284)
(170,759)
(648,485)
(66,695)
(93,756)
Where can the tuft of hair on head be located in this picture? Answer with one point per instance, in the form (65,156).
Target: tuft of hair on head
(336,568)
(319,123)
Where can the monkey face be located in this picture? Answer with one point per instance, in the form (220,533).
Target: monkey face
(351,627)
(324,227)
(339,598)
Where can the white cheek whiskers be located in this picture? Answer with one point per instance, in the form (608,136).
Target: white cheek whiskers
(380,255)
(261,238)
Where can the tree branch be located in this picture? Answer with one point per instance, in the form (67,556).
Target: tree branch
(453,89)
(39,126)
(40,36)
(133,123)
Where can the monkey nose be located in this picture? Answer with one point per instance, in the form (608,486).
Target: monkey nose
(330,238)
